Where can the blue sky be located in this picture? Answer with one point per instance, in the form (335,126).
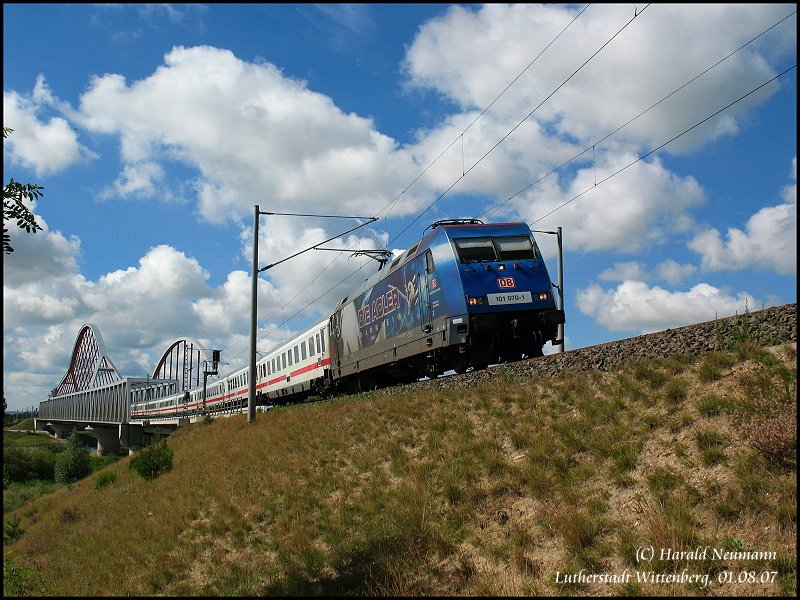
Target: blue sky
(155,129)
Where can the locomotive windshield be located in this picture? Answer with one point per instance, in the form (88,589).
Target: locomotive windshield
(516,247)
(492,249)
(475,249)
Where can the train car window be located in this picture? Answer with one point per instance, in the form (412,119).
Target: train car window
(322,335)
(296,354)
(303,350)
(429,264)
(290,357)
(475,249)
(311,346)
(319,347)
(284,360)
(515,247)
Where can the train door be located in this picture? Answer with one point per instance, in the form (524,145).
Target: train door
(428,284)
(335,343)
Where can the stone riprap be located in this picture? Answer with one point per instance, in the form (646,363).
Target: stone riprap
(767,327)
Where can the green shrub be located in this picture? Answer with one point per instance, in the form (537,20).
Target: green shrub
(12,530)
(73,463)
(18,493)
(153,460)
(714,365)
(43,464)
(710,442)
(711,405)
(16,465)
(747,332)
(105,479)
(20,464)
(676,390)
(649,372)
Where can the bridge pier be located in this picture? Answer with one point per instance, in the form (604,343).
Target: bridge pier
(131,436)
(107,438)
(62,430)
(59,430)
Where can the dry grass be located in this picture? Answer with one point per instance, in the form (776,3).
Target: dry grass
(501,489)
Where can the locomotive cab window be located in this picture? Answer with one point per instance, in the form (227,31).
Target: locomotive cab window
(516,247)
(475,249)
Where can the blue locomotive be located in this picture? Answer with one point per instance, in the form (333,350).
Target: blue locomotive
(467,295)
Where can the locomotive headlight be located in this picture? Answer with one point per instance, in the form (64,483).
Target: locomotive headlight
(501,267)
(544,296)
(475,300)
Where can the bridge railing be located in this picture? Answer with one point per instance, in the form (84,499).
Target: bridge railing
(109,403)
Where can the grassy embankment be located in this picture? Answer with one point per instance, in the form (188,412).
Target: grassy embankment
(506,488)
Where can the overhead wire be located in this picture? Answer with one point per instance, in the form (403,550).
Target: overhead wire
(592,147)
(654,150)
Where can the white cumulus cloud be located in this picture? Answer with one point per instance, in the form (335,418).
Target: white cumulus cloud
(768,240)
(636,306)
(46,145)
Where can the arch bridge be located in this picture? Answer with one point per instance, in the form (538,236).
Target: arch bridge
(93,397)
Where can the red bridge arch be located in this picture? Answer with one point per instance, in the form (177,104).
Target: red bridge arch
(90,366)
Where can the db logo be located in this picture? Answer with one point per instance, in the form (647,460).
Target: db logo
(506,283)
